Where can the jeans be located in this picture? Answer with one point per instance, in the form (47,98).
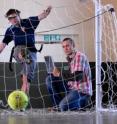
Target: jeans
(27,69)
(72,99)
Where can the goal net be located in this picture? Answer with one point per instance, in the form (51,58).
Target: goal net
(68,19)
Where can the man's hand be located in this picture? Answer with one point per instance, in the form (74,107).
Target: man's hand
(48,10)
(2,46)
(45,13)
(56,72)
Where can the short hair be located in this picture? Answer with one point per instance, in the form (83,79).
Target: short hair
(71,41)
(12,11)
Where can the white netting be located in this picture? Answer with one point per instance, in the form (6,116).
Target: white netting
(67,19)
(109,37)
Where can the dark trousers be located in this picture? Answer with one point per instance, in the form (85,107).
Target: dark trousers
(71,100)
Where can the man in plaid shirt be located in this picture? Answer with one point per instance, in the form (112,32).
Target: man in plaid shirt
(75,82)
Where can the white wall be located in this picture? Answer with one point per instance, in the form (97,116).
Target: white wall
(64,12)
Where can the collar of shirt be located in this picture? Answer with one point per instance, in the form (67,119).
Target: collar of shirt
(71,56)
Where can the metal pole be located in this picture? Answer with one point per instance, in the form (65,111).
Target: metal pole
(98,33)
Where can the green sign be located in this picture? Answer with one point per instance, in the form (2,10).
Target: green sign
(52,37)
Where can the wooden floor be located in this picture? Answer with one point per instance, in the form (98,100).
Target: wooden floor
(43,117)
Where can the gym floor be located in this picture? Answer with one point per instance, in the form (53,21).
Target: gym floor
(43,117)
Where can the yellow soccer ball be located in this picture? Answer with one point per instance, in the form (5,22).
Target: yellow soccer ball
(18,100)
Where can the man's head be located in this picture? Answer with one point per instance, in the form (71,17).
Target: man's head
(13,16)
(68,46)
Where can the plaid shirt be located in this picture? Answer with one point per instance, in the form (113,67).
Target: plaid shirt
(80,63)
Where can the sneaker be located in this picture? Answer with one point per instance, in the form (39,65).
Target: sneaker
(2,106)
(22,110)
(53,109)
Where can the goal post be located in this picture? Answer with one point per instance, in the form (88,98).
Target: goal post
(98,53)
(109,61)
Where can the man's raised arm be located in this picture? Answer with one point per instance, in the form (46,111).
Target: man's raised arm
(45,13)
